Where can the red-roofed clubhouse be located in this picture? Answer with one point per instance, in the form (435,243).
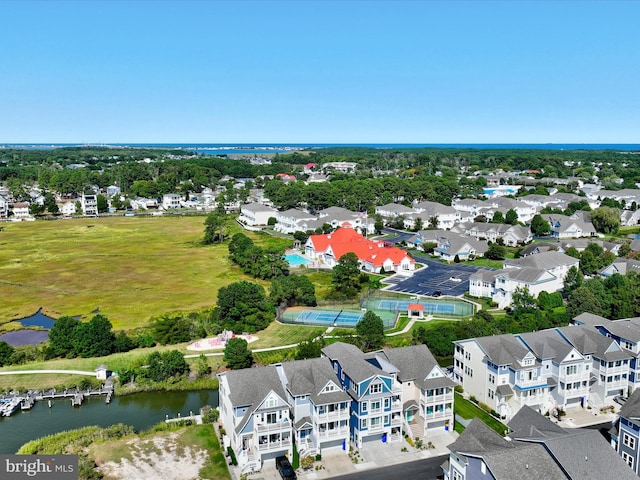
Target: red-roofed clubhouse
(373,254)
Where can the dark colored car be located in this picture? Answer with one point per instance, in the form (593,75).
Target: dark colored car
(284,467)
(437,293)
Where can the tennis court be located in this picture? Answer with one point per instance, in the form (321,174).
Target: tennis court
(338,318)
(454,308)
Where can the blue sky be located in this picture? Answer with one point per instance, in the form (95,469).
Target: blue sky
(327,72)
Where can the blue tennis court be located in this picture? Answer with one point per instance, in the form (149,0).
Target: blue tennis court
(330,318)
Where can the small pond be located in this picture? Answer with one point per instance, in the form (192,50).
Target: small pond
(25,337)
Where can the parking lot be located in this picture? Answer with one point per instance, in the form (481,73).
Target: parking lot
(448,280)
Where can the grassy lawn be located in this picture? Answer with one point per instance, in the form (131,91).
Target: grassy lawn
(131,269)
(468,410)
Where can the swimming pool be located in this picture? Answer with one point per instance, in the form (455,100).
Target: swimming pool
(296,260)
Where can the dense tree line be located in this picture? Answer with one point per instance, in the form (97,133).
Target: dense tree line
(263,263)
(617,296)
(484,324)
(156,367)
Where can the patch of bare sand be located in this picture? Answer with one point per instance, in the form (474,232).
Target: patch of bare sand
(159,458)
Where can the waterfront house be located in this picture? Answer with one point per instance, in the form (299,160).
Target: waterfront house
(21,210)
(255,415)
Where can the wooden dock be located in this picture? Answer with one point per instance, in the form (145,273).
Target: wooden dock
(26,401)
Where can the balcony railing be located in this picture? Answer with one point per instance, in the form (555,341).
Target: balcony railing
(444,413)
(334,433)
(340,414)
(274,445)
(273,427)
(436,398)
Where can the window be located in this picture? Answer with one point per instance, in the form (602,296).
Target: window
(363,423)
(363,407)
(492,378)
(375,406)
(272,418)
(572,369)
(627,458)
(629,441)
(457,475)
(387,403)
(376,388)
(376,422)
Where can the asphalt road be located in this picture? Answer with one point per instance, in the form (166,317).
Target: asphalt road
(427,469)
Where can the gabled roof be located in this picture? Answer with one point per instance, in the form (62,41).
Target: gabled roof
(627,328)
(250,386)
(310,377)
(581,453)
(589,341)
(503,349)
(412,363)
(352,361)
(547,344)
(631,408)
(545,260)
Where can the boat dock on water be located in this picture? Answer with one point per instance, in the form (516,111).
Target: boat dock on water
(12,402)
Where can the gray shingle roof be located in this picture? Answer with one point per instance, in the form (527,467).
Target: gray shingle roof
(250,386)
(545,260)
(589,341)
(309,377)
(352,361)
(503,349)
(583,454)
(631,408)
(628,328)
(547,344)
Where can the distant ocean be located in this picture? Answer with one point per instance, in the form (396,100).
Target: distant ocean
(262,148)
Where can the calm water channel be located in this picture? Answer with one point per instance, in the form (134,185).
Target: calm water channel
(141,411)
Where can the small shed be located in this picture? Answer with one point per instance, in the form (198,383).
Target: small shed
(415,310)
(102,372)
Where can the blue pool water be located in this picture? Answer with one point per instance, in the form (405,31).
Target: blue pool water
(296,260)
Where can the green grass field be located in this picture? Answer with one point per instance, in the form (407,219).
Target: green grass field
(467,410)
(131,269)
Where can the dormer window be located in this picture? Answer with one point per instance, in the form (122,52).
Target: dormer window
(528,362)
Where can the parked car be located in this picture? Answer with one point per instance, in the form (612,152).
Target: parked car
(284,467)
(437,293)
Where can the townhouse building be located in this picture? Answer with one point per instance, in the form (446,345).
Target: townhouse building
(256,214)
(563,226)
(376,399)
(538,272)
(256,416)
(445,216)
(320,407)
(540,369)
(625,433)
(344,398)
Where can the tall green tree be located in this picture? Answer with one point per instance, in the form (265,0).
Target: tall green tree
(370,331)
(539,226)
(573,279)
(293,290)
(6,351)
(62,337)
(345,279)
(244,307)
(214,230)
(310,349)
(94,338)
(606,220)
(237,354)
(511,218)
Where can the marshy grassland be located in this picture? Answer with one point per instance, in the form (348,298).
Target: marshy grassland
(131,269)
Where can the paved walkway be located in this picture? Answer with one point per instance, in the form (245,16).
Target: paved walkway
(26,372)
